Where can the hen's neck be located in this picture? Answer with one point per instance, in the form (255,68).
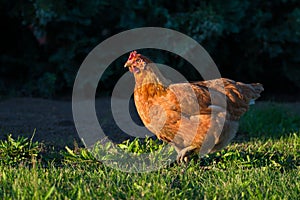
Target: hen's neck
(151,75)
(151,81)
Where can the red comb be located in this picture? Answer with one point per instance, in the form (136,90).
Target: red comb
(132,55)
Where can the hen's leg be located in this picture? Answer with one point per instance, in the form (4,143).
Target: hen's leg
(184,154)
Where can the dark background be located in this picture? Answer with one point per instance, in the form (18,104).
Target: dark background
(43,42)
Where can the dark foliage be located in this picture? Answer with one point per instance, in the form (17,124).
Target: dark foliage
(43,42)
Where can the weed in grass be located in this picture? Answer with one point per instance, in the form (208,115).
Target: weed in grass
(20,150)
(138,146)
(81,155)
(137,155)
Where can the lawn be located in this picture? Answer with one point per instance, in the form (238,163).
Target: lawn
(262,163)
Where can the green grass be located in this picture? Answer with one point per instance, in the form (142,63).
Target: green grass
(264,165)
(270,120)
(20,150)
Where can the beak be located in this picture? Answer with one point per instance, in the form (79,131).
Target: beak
(127,64)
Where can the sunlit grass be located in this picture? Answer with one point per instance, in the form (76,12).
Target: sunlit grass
(265,165)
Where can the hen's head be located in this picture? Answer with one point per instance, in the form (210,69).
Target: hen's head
(137,62)
(144,70)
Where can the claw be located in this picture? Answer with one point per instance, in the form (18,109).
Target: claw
(184,155)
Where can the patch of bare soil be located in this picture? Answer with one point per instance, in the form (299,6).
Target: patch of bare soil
(53,120)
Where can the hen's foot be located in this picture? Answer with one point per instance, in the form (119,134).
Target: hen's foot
(185,154)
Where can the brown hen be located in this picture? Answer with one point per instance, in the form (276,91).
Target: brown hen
(200,117)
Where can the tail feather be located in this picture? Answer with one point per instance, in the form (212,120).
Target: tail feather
(257,87)
(251,91)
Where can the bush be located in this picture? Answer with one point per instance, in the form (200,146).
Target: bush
(47,41)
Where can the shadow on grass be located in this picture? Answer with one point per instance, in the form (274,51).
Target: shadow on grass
(247,158)
(268,121)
